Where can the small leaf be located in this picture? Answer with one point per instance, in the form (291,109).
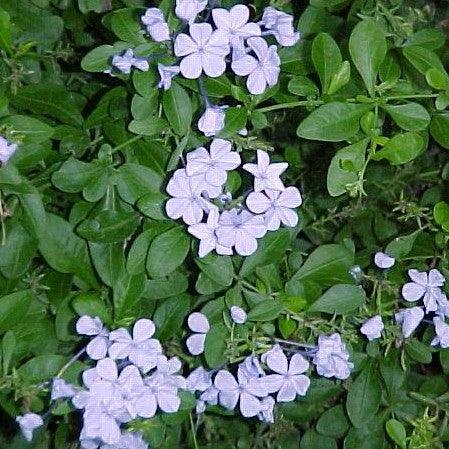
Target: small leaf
(326,58)
(410,116)
(439,129)
(340,299)
(401,148)
(266,310)
(396,431)
(178,109)
(215,345)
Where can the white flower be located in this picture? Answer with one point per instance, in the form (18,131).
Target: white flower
(442,331)
(98,346)
(289,380)
(204,50)
(7,149)
(28,424)
(212,121)
(206,232)
(141,350)
(167,73)
(247,389)
(240,229)
(213,164)
(127,61)
(426,286)
(235,23)
(332,358)
(281,25)
(156,25)
(373,327)
(199,324)
(238,315)
(383,260)
(187,201)
(410,319)
(276,206)
(188,9)
(266,175)
(263,71)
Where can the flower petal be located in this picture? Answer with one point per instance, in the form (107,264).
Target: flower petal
(143,329)
(198,322)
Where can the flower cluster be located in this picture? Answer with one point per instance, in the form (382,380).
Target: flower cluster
(133,378)
(7,149)
(196,192)
(428,288)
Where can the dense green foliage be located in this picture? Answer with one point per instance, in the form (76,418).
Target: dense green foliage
(360,114)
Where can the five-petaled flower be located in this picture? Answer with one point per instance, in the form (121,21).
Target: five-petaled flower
(156,25)
(125,62)
(203,50)
(372,328)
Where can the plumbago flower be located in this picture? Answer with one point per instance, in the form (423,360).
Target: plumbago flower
(7,149)
(409,319)
(442,333)
(188,9)
(426,286)
(373,327)
(212,121)
(127,61)
(230,228)
(383,260)
(156,25)
(238,315)
(29,423)
(93,327)
(167,73)
(280,25)
(199,324)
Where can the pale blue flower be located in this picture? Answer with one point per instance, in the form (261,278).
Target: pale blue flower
(213,120)
(199,380)
(281,26)
(188,9)
(204,50)
(125,62)
(251,367)
(207,397)
(93,327)
(61,389)
(266,174)
(410,319)
(238,315)
(199,324)
(266,413)
(289,380)
(167,73)
(156,25)
(332,358)
(262,70)
(426,286)
(442,333)
(383,260)
(141,350)
(373,327)
(247,389)
(7,149)
(28,423)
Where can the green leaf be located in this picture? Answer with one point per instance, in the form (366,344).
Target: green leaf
(410,116)
(430,38)
(364,397)
(135,180)
(271,249)
(218,268)
(266,310)
(125,24)
(108,260)
(169,316)
(337,177)
(99,59)
(167,252)
(327,265)
(5,31)
(161,288)
(49,99)
(326,58)
(401,148)
(436,79)
(29,129)
(333,422)
(441,214)
(178,109)
(333,122)
(74,175)
(418,351)
(339,299)
(17,252)
(148,127)
(313,440)
(439,129)
(13,308)
(152,205)
(41,368)
(215,345)
(235,120)
(64,251)
(401,246)
(396,431)
(127,292)
(368,47)
(91,304)
(137,255)
(7,350)
(341,78)
(302,86)
(423,59)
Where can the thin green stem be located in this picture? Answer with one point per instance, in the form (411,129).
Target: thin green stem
(2,223)
(291,105)
(410,97)
(192,426)
(128,142)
